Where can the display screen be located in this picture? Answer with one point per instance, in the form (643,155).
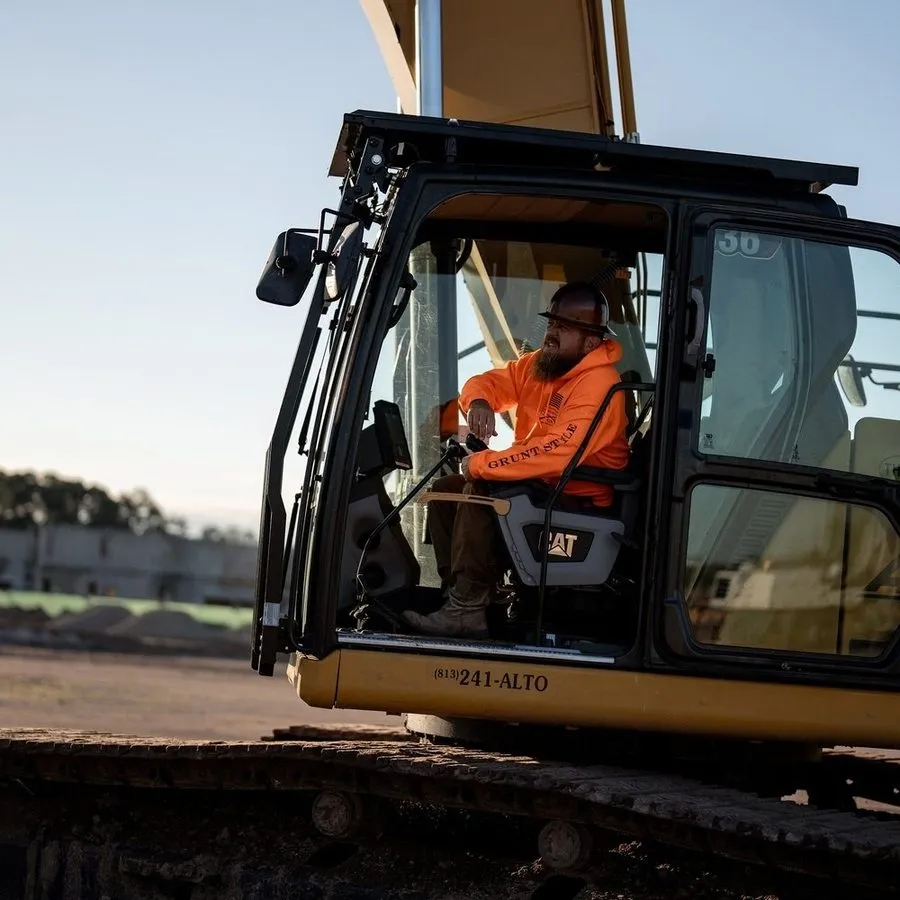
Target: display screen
(391,434)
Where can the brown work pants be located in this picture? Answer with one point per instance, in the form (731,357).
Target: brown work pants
(468,547)
(467,543)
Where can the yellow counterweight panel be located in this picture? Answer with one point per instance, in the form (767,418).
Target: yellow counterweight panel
(542,63)
(576,696)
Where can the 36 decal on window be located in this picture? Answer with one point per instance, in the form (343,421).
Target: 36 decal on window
(748,244)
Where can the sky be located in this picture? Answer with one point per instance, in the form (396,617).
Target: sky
(152,151)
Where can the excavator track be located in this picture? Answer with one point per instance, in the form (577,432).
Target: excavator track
(666,809)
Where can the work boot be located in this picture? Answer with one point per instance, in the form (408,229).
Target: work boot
(456,618)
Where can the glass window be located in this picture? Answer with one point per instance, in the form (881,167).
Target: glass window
(780,572)
(804,336)
(476,307)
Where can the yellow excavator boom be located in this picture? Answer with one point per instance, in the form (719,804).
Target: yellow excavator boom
(542,63)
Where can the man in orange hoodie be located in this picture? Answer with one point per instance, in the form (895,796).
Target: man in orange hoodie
(556,391)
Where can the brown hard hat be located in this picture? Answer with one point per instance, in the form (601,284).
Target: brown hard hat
(566,306)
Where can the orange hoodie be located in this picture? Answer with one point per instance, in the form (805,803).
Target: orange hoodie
(552,420)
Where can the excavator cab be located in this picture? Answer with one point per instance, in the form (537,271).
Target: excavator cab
(483,273)
(756,530)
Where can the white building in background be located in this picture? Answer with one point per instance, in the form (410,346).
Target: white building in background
(72,559)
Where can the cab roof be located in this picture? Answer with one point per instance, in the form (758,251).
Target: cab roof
(480,143)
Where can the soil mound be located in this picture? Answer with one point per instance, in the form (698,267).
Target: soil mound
(16,617)
(235,635)
(93,620)
(163,623)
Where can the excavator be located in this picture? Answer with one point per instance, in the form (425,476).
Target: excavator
(744,583)
(740,600)
(713,661)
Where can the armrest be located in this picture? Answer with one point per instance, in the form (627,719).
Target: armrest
(619,479)
(501,488)
(499,504)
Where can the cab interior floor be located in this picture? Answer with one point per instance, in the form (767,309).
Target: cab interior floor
(591,629)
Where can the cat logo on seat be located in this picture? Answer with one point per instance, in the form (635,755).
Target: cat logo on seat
(562,544)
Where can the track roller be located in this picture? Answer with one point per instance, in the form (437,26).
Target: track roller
(337,814)
(565,846)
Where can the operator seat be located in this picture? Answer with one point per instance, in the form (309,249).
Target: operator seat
(584,544)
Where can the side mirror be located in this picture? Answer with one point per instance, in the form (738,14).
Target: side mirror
(343,261)
(850,378)
(289,269)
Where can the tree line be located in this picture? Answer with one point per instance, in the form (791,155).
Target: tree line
(29,499)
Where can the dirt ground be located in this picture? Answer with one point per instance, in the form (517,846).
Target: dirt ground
(164,696)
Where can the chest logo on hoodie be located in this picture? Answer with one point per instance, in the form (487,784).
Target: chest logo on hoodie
(551,412)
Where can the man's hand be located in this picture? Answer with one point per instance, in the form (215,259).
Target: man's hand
(464,468)
(481,420)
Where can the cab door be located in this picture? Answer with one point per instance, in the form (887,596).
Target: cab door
(784,453)
(281,609)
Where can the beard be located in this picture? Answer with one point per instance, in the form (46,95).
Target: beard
(550,364)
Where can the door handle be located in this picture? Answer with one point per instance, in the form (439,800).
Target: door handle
(693,348)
